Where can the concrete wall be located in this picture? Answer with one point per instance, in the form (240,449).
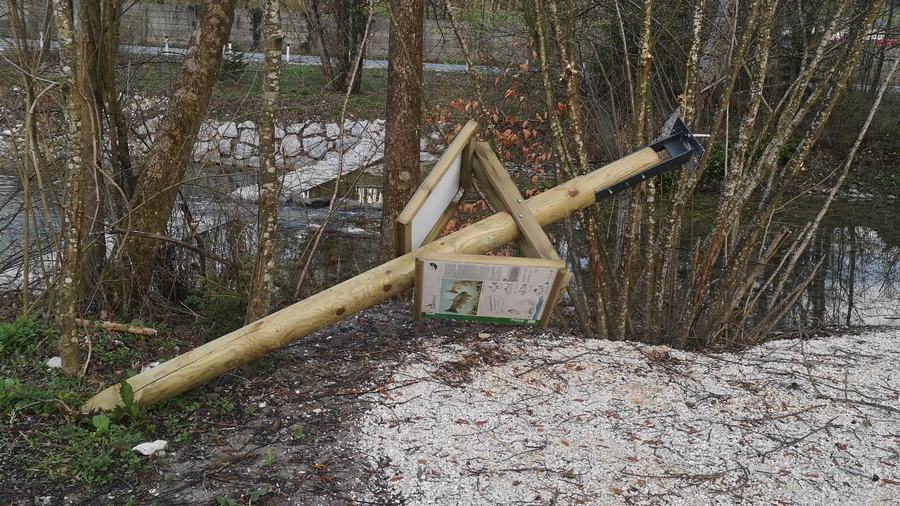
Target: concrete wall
(149,24)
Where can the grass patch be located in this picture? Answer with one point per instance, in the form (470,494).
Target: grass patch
(304,93)
(20,336)
(303,90)
(50,448)
(92,455)
(491,17)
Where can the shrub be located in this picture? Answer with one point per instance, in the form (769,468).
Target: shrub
(219,308)
(32,399)
(234,63)
(20,336)
(95,455)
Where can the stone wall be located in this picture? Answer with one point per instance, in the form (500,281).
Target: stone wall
(310,153)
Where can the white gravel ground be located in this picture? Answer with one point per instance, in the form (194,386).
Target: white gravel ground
(506,420)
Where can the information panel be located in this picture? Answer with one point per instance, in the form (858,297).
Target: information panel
(487,289)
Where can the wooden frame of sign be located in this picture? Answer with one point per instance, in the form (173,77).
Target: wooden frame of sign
(434,203)
(504,194)
(488,289)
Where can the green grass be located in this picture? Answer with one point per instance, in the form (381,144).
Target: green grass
(51,446)
(94,456)
(219,308)
(20,336)
(487,17)
(303,91)
(304,85)
(38,404)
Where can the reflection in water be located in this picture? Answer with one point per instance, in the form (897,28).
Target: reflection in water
(859,283)
(368,194)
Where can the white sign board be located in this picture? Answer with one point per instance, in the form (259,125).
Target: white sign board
(431,207)
(487,289)
(442,194)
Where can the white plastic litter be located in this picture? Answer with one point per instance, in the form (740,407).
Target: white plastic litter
(151,448)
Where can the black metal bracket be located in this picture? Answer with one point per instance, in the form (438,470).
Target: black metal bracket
(678,149)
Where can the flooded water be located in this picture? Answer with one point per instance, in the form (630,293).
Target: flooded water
(859,283)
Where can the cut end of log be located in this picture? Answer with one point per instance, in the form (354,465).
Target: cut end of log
(107,400)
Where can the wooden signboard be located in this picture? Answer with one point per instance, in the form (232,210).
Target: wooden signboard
(488,289)
(434,203)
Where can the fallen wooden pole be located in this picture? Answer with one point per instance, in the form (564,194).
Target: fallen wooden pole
(116,327)
(251,342)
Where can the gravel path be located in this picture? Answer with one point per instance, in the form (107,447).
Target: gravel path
(549,420)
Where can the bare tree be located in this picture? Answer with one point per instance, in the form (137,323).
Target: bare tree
(352,18)
(403,115)
(158,182)
(312,11)
(714,57)
(570,164)
(75,181)
(714,295)
(117,128)
(29,57)
(269,188)
(88,31)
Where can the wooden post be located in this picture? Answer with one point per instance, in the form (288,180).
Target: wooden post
(292,323)
(499,187)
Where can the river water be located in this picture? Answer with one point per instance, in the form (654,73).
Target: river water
(859,283)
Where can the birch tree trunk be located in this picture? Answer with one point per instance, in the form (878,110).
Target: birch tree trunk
(158,182)
(403,115)
(566,167)
(636,196)
(709,296)
(719,295)
(73,212)
(597,261)
(269,188)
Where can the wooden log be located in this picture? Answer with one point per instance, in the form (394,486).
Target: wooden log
(290,324)
(117,327)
